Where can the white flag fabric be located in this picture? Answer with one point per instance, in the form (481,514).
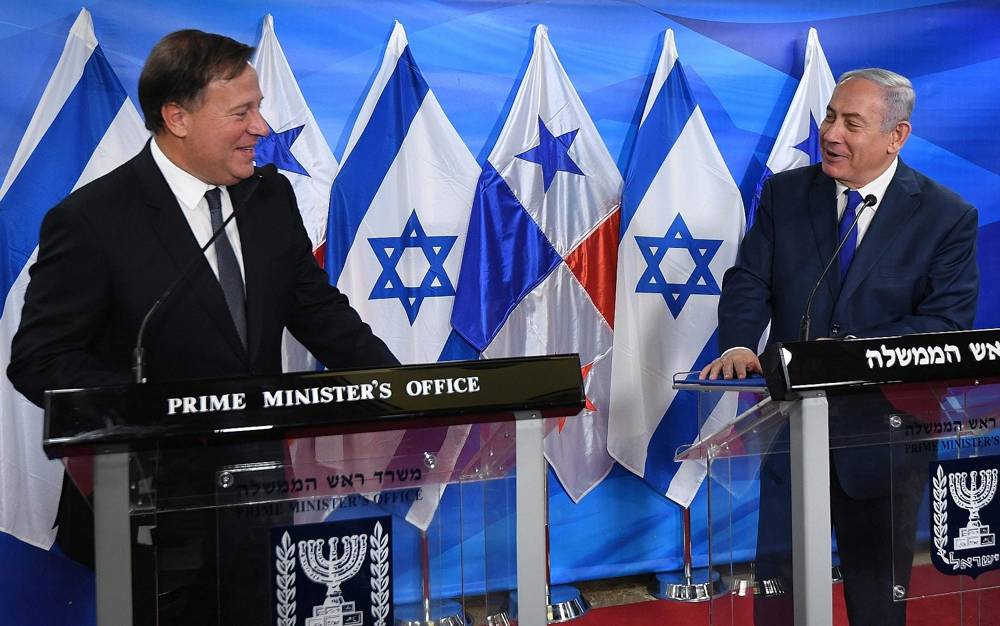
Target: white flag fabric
(83,127)
(399,211)
(797,143)
(297,147)
(538,273)
(682,219)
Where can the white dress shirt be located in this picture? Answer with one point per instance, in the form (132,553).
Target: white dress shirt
(190,194)
(877,188)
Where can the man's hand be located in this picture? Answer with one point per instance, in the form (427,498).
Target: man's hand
(736,363)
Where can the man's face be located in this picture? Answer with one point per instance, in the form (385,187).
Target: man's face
(221,128)
(855,148)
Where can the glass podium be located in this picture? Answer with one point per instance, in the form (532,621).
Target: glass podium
(416,498)
(895,480)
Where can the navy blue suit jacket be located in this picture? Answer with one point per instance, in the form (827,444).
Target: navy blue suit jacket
(914,271)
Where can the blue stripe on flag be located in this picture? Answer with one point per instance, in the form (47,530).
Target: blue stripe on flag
(679,425)
(506,256)
(365,168)
(655,139)
(57,162)
(752,214)
(456,348)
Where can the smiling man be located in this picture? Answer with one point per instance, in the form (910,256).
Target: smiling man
(908,267)
(110,249)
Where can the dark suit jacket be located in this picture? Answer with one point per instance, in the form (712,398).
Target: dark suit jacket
(111,248)
(914,271)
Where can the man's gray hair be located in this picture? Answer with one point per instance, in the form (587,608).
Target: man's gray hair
(897,92)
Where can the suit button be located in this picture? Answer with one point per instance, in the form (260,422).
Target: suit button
(835,329)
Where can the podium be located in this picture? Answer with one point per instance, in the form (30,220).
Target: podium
(407,495)
(896,438)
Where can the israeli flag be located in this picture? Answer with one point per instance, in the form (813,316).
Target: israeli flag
(682,219)
(399,211)
(537,277)
(797,143)
(84,126)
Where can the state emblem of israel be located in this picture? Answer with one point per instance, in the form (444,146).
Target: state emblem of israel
(333,574)
(963,516)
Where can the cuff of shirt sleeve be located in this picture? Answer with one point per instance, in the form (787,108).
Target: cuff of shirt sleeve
(733,349)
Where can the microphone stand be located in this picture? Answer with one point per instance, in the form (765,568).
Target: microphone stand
(804,325)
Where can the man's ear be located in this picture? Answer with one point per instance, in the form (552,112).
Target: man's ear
(176,119)
(898,137)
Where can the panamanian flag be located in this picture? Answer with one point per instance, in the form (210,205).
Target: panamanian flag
(797,143)
(296,146)
(399,211)
(681,223)
(84,126)
(538,273)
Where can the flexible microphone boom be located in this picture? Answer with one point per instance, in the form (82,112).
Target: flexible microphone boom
(138,354)
(869,200)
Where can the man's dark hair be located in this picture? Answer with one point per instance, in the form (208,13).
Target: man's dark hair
(181,65)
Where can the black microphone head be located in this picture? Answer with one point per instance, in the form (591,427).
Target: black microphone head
(870,200)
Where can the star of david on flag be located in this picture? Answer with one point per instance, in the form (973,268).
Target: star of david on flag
(402,153)
(699,282)
(552,153)
(676,184)
(389,251)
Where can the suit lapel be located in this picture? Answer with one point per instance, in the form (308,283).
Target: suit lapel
(823,214)
(902,198)
(180,245)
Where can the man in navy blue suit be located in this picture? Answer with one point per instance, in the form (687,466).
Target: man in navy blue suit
(910,267)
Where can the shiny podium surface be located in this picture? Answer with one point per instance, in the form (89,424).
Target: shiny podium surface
(900,451)
(390,496)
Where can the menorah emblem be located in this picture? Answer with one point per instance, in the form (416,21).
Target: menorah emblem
(332,570)
(972,491)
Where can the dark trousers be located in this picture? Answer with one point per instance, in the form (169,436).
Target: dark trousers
(875,537)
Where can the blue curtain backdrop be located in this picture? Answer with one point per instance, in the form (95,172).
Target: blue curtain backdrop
(743,60)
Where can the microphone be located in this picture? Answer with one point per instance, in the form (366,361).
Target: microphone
(138,353)
(869,200)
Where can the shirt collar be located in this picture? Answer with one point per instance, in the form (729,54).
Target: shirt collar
(877,187)
(187,188)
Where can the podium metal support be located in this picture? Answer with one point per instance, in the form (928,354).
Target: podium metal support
(812,561)
(531,556)
(691,585)
(112,540)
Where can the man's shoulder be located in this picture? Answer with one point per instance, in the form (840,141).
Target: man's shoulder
(932,193)
(106,193)
(797,177)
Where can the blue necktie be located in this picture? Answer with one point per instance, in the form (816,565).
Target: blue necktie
(847,252)
(229,269)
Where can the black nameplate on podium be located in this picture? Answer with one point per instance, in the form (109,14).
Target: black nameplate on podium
(843,364)
(130,417)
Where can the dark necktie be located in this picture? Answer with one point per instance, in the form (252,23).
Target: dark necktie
(229,270)
(847,252)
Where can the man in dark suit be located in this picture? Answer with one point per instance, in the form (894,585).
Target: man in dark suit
(110,250)
(909,267)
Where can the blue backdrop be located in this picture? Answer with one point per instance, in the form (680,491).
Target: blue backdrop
(743,60)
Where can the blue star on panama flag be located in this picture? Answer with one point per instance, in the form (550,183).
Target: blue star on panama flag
(389,251)
(552,153)
(277,148)
(700,282)
(810,145)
